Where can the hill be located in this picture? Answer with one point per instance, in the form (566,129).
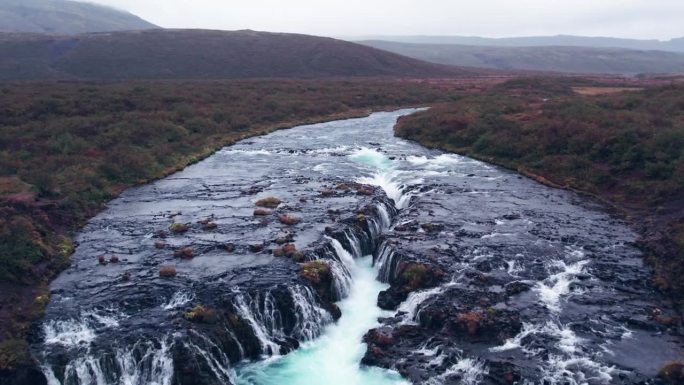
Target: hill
(66,17)
(557,58)
(673,45)
(201,54)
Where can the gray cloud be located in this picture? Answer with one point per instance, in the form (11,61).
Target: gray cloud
(661,19)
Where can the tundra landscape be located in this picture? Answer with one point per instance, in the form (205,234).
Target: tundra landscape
(190,200)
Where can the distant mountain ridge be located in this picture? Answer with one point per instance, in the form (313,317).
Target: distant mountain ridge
(673,45)
(65,17)
(202,54)
(569,59)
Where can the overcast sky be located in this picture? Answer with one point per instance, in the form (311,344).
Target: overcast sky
(660,19)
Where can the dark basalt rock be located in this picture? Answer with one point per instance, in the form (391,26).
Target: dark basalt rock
(23,375)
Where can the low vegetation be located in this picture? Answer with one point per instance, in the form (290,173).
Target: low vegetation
(270,202)
(625,148)
(202,314)
(167,271)
(289,220)
(179,228)
(315,272)
(289,250)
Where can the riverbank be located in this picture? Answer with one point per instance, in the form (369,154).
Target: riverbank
(626,148)
(68,148)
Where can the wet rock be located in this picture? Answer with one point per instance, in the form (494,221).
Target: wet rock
(432,227)
(159,245)
(503,373)
(102,260)
(256,248)
(262,212)
(517,287)
(672,373)
(22,375)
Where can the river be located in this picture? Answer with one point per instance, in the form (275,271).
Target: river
(442,270)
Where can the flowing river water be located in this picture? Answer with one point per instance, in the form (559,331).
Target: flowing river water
(442,270)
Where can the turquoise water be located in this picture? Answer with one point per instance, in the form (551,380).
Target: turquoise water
(333,358)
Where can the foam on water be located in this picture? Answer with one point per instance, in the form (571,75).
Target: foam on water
(558,285)
(178,299)
(469,372)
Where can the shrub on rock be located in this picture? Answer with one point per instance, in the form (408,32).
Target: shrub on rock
(289,220)
(315,271)
(184,253)
(365,190)
(289,250)
(418,275)
(270,202)
(209,226)
(178,228)
(201,314)
(167,271)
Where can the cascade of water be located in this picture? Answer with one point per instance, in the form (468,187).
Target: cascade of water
(333,358)
(384,262)
(263,315)
(146,362)
(469,371)
(354,243)
(178,299)
(342,278)
(384,216)
(248,309)
(411,306)
(310,318)
(345,257)
(218,362)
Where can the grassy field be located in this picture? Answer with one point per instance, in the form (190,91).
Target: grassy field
(68,148)
(626,148)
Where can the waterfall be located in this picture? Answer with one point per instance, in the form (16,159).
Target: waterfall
(147,362)
(216,359)
(262,313)
(310,318)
